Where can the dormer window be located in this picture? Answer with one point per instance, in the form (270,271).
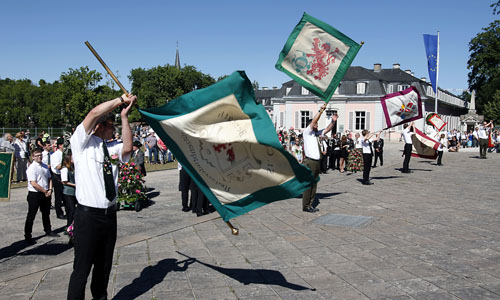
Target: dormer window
(361,88)
(288,89)
(305,91)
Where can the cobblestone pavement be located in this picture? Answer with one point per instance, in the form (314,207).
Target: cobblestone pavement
(431,234)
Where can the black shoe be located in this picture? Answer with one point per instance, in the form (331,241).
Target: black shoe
(62,217)
(185,209)
(30,241)
(311,210)
(408,171)
(52,234)
(374,166)
(367,182)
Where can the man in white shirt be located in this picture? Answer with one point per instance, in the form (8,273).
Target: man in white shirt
(313,155)
(366,144)
(483,135)
(39,192)
(56,166)
(96,176)
(407,133)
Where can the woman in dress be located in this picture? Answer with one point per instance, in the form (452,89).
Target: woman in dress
(344,152)
(355,159)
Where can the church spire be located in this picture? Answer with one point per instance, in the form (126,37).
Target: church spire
(177,60)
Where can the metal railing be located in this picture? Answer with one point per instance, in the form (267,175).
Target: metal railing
(33,132)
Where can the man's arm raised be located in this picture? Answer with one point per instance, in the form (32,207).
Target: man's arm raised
(106,107)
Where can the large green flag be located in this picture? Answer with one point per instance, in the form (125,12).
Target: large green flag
(228,145)
(5,172)
(316,55)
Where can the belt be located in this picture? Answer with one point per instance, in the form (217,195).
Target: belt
(98,211)
(312,159)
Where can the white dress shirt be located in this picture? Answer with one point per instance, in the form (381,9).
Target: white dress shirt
(56,159)
(40,174)
(367,145)
(407,135)
(482,132)
(311,145)
(88,157)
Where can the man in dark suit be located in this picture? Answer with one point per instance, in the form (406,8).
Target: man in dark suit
(138,157)
(378,145)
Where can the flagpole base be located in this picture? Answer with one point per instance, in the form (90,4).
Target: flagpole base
(234,231)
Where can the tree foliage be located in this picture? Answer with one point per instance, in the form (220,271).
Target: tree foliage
(66,101)
(156,86)
(484,66)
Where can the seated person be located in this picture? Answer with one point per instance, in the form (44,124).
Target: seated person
(453,145)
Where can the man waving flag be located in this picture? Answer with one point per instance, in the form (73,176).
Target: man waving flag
(228,145)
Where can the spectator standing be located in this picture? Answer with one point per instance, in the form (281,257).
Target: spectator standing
(56,166)
(68,181)
(153,147)
(378,146)
(138,157)
(7,144)
(39,192)
(21,156)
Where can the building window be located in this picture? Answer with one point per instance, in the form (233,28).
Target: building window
(304,116)
(390,89)
(282,118)
(288,89)
(361,88)
(360,121)
(305,91)
(402,87)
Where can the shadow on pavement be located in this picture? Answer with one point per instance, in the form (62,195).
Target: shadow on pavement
(153,195)
(255,276)
(151,276)
(384,177)
(48,248)
(16,247)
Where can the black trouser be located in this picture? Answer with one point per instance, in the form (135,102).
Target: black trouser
(37,200)
(440,156)
(58,194)
(483,145)
(407,154)
(379,155)
(194,195)
(184,185)
(70,208)
(94,240)
(367,166)
(198,200)
(324,161)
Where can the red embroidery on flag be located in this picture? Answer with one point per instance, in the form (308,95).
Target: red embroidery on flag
(321,52)
(229,152)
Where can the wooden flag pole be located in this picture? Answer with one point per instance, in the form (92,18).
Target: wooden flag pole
(106,67)
(234,231)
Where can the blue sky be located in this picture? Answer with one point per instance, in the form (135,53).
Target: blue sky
(42,39)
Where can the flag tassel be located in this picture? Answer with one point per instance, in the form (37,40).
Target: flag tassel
(234,231)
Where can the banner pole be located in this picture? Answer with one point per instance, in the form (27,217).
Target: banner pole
(437,77)
(234,231)
(106,67)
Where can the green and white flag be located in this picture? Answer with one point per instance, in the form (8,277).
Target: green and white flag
(316,55)
(228,145)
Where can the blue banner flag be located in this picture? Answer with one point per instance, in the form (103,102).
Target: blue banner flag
(431,49)
(228,145)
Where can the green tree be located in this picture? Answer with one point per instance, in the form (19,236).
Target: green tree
(496,7)
(491,109)
(484,64)
(158,85)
